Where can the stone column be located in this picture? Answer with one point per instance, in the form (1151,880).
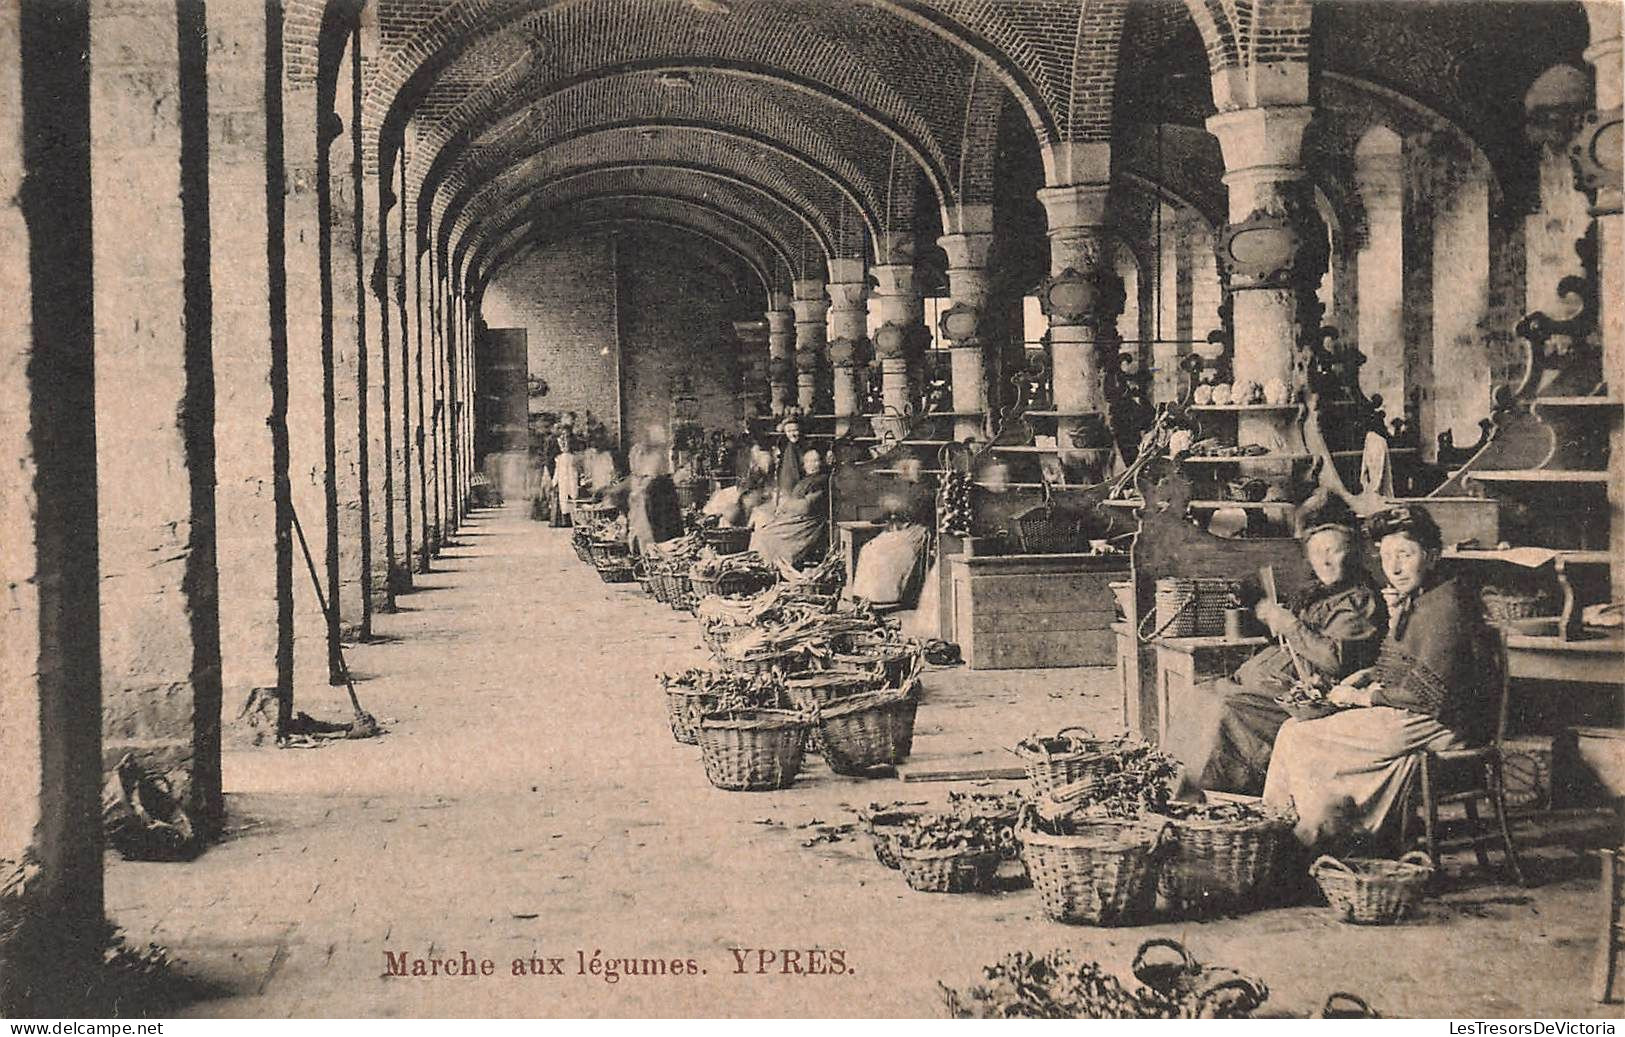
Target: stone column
(349,551)
(50,676)
(406,394)
(1275,247)
(753,382)
(435,402)
(894,302)
(391,327)
(1597,161)
(376,433)
(810,305)
(251,559)
(781,337)
(848,336)
(155,408)
(313,649)
(1379,174)
(967,247)
(1083,297)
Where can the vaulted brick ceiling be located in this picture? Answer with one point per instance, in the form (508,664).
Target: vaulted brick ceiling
(833,111)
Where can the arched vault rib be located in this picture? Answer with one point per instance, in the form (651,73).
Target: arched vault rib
(786,170)
(734,204)
(763,251)
(533,236)
(840,142)
(815,200)
(843,50)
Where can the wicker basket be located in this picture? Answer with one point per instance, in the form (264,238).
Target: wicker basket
(1103,874)
(1372,891)
(729,583)
(1503,606)
(582,543)
(1192,607)
(884,830)
(819,688)
(763,662)
(875,729)
(948,870)
(717,638)
(1215,865)
(726,540)
(679,591)
(1221,992)
(891,660)
(692,493)
(753,751)
(685,707)
(1042,529)
(613,572)
(1067,759)
(610,552)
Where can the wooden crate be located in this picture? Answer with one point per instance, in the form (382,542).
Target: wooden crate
(1021,611)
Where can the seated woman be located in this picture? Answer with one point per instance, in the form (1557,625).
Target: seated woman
(1334,630)
(653,512)
(1347,774)
(795,527)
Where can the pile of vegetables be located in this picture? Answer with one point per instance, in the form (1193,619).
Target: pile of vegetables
(957,831)
(1239,811)
(1059,986)
(733,692)
(814,633)
(708,565)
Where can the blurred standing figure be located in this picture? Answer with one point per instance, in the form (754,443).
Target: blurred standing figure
(566,479)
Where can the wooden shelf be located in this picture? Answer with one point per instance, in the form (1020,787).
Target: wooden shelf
(1213,505)
(1393,451)
(924,442)
(1578,401)
(1610,643)
(1255,408)
(1540,475)
(1569,556)
(1060,414)
(1244,458)
(906,471)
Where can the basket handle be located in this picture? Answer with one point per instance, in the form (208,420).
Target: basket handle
(1326,862)
(1352,1001)
(1168,943)
(1419,858)
(1062,733)
(1189,602)
(1253,990)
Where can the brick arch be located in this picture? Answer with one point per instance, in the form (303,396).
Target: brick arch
(848,50)
(845,145)
(816,200)
(538,235)
(740,205)
(764,252)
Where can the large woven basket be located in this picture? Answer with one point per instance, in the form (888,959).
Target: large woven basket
(874,729)
(1501,606)
(1043,529)
(1192,607)
(728,583)
(719,636)
(1372,891)
(819,688)
(1103,874)
(948,870)
(726,540)
(614,572)
(884,830)
(685,707)
(1074,755)
(582,543)
(753,751)
(679,591)
(691,493)
(659,581)
(1217,865)
(892,660)
(609,552)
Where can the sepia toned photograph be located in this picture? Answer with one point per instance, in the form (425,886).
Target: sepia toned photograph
(806,509)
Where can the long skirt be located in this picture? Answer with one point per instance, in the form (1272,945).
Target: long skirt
(1225,732)
(1348,775)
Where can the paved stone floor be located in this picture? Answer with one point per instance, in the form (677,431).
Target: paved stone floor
(530,802)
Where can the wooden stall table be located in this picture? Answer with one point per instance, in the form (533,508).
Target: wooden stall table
(1017,611)
(1185,662)
(1586,660)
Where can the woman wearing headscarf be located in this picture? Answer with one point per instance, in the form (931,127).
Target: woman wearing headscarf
(1347,774)
(1333,629)
(796,528)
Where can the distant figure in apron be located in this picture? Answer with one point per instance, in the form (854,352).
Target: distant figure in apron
(566,480)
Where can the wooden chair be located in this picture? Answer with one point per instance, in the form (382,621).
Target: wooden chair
(1469,776)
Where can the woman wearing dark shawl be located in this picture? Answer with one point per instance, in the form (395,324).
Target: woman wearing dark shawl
(1334,629)
(1347,774)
